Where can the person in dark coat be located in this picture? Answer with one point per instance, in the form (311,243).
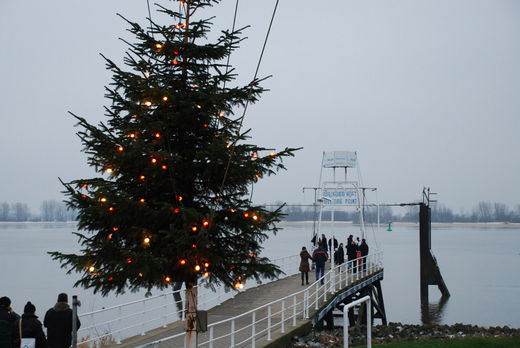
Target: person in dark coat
(320,256)
(31,327)
(339,256)
(332,249)
(352,250)
(304,264)
(7,320)
(363,248)
(58,321)
(323,242)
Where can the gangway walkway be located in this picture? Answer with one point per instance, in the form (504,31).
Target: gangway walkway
(152,315)
(261,315)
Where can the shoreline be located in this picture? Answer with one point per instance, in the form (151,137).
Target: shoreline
(399,332)
(400,223)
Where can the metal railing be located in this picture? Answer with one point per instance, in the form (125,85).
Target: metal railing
(262,321)
(369,320)
(112,324)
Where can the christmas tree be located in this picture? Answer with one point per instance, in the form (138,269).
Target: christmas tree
(171,202)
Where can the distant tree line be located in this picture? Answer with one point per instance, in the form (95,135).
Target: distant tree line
(482,212)
(50,210)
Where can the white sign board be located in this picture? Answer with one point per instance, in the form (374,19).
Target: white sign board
(340,159)
(340,196)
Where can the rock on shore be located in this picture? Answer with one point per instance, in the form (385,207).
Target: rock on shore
(399,332)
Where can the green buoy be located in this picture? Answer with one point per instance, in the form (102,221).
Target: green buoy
(389,226)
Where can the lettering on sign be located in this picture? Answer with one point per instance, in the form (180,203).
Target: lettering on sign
(340,196)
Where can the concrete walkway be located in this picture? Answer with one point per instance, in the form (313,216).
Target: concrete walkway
(241,303)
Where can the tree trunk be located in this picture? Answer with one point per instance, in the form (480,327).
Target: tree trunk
(191,317)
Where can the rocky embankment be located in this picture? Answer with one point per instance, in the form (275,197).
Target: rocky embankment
(400,332)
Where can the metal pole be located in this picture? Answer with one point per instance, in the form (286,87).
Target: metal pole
(294,311)
(118,341)
(269,323)
(75,305)
(369,320)
(317,295)
(253,333)
(283,316)
(165,323)
(363,214)
(232,333)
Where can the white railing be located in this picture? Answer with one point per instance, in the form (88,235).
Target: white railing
(260,322)
(369,320)
(111,325)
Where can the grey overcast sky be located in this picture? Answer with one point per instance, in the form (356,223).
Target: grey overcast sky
(427,92)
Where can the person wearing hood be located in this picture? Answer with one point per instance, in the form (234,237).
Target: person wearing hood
(58,321)
(7,321)
(29,327)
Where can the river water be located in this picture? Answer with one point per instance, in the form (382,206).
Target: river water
(480,266)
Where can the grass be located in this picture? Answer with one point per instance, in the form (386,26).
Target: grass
(469,342)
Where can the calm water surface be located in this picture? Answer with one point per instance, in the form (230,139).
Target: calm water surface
(481,267)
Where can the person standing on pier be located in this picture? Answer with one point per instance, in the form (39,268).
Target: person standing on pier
(320,256)
(28,326)
(58,321)
(352,250)
(304,264)
(339,256)
(323,242)
(333,245)
(363,248)
(7,321)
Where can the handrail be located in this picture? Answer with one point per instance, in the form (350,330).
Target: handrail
(336,278)
(346,321)
(128,303)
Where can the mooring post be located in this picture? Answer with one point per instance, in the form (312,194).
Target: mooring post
(429,272)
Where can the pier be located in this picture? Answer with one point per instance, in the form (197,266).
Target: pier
(268,315)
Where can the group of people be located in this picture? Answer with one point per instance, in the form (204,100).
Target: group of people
(354,249)
(57,320)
